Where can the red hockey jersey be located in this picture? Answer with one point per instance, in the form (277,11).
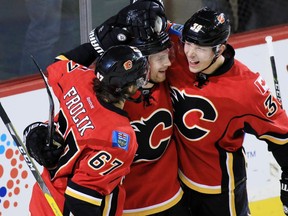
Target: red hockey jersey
(211,121)
(152,185)
(101,143)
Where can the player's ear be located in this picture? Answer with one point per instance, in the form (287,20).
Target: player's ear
(220,49)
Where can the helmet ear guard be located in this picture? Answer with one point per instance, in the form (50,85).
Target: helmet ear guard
(207,28)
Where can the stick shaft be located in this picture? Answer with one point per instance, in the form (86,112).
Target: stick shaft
(51,105)
(273,66)
(29,161)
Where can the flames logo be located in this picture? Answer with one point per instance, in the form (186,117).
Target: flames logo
(128,65)
(186,105)
(153,135)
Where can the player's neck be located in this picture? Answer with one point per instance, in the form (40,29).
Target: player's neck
(148,85)
(119,104)
(219,61)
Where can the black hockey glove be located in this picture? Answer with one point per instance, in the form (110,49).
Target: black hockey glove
(284,192)
(108,35)
(143,18)
(138,20)
(35,138)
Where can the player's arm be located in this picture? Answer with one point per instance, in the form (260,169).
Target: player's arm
(83,54)
(97,174)
(89,202)
(138,20)
(135,20)
(273,129)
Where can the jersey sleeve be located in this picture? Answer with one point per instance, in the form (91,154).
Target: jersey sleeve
(83,54)
(103,168)
(271,124)
(275,131)
(60,75)
(259,114)
(266,119)
(98,175)
(83,201)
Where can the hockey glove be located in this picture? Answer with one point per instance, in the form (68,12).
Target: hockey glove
(35,138)
(284,192)
(143,18)
(107,35)
(138,20)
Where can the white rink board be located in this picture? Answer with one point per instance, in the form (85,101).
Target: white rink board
(15,189)
(263,171)
(22,109)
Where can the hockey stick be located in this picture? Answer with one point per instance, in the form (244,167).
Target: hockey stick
(29,162)
(51,106)
(268,40)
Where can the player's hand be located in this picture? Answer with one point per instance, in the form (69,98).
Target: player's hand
(107,35)
(284,192)
(143,18)
(138,20)
(35,138)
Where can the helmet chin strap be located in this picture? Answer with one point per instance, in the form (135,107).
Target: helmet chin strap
(216,55)
(212,62)
(144,97)
(202,78)
(152,82)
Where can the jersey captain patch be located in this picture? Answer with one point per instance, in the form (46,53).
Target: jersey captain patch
(120,140)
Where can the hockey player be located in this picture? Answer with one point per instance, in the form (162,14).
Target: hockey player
(152,187)
(152,120)
(93,134)
(217,100)
(151,117)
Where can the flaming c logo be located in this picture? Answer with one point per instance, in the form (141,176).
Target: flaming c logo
(128,65)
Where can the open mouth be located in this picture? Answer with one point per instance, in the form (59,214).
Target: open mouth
(193,63)
(163,70)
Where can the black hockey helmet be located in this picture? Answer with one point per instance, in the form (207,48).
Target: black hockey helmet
(120,66)
(206,28)
(156,43)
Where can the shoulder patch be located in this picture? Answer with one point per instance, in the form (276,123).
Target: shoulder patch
(261,85)
(120,140)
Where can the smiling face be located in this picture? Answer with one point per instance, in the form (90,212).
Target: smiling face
(159,63)
(198,57)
